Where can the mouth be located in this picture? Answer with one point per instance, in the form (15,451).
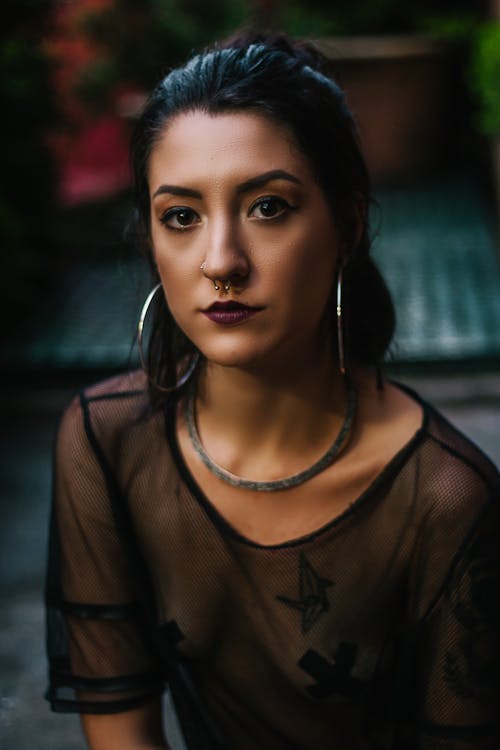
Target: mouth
(230,313)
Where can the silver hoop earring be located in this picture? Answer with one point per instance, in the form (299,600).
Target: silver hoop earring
(340,324)
(140,329)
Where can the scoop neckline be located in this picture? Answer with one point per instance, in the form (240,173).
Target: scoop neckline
(225,527)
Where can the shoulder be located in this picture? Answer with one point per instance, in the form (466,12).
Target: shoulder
(454,460)
(127,385)
(458,482)
(450,479)
(431,464)
(124,393)
(456,491)
(447,457)
(100,413)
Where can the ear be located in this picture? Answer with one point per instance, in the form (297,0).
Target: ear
(353,228)
(359,221)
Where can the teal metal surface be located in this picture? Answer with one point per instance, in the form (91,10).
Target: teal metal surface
(437,253)
(96,323)
(434,247)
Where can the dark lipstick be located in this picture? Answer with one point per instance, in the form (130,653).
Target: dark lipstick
(230,313)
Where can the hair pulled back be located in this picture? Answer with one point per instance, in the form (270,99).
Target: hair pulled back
(285,81)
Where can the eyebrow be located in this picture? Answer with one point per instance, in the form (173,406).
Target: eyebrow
(176,190)
(244,187)
(263,179)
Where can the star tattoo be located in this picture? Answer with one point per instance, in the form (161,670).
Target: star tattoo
(313,600)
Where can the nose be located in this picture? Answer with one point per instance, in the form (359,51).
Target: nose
(225,258)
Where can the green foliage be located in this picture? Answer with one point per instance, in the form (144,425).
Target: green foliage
(454,27)
(345,17)
(485,76)
(139,39)
(298,20)
(482,42)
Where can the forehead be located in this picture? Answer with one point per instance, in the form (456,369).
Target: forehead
(198,145)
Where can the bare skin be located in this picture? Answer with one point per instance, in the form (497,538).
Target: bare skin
(386,421)
(140,729)
(234,194)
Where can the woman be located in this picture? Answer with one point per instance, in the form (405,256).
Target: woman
(305,553)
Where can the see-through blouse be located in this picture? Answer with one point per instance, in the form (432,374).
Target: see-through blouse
(380,630)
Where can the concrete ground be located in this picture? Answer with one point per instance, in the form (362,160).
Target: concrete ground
(471,401)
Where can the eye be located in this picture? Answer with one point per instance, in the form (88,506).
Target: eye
(179,218)
(270,207)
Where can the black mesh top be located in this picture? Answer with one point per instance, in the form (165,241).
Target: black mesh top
(380,630)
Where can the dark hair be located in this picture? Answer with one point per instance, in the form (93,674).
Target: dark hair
(287,82)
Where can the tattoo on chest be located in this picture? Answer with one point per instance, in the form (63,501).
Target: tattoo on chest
(332,677)
(313,600)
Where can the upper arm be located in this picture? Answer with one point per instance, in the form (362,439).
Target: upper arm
(460,649)
(139,729)
(99,646)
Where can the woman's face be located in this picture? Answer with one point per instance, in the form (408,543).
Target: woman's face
(232,194)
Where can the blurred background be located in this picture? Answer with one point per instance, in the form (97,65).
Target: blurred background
(423,80)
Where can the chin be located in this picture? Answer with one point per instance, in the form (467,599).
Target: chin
(231,359)
(236,356)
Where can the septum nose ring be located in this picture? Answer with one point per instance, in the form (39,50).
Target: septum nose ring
(226,284)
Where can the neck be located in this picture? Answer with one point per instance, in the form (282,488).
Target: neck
(266,406)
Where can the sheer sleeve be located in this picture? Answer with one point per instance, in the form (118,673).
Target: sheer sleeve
(459,650)
(100,654)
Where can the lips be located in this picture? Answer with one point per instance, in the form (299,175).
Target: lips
(230,313)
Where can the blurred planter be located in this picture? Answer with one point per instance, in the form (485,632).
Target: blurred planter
(401,90)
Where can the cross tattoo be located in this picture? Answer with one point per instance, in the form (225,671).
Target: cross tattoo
(333,677)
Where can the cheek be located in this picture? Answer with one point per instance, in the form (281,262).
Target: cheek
(178,290)
(177,286)
(310,282)
(174,265)
(176,295)
(309,270)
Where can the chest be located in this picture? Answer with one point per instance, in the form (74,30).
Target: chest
(317,613)
(273,518)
